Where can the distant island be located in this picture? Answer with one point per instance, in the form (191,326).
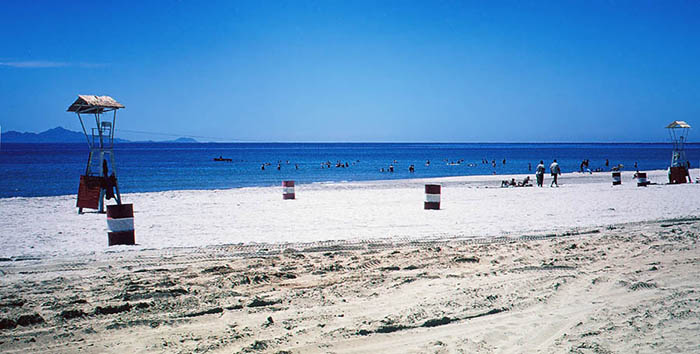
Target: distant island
(62,135)
(182,140)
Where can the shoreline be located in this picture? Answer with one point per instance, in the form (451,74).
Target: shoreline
(472,179)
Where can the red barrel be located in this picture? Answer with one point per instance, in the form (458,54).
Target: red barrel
(120,221)
(288,190)
(432,197)
(616,178)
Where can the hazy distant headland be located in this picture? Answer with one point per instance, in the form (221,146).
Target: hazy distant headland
(62,135)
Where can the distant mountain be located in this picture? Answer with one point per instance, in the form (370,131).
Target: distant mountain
(55,135)
(182,140)
(61,135)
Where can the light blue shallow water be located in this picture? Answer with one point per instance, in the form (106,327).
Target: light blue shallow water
(30,170)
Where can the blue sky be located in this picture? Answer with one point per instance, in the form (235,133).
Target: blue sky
(452,71)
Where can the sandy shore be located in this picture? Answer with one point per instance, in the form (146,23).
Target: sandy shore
(361,268)
(624,288)
(473,206)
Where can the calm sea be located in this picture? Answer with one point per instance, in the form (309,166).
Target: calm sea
(30,170)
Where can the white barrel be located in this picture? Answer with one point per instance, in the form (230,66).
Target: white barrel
(642,179)
(616,178)
(288,190)
(120,221)
(432,197)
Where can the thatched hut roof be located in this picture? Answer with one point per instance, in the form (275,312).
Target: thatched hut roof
(94,104)
(678,124)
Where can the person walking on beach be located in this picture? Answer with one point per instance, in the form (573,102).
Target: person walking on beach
(555,171)
(539,173)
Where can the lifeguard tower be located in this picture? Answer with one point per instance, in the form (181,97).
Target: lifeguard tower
(100,178)
(679,170)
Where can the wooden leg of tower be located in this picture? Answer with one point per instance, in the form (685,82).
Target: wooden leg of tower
(102,190)
(102,201)
(116,193)
(87,169)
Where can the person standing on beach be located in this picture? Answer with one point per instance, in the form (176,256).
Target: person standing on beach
(539,173)
(555,171)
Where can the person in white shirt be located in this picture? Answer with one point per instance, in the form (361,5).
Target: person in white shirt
(555,171)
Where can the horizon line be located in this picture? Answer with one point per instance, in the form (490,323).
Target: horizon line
(238,141)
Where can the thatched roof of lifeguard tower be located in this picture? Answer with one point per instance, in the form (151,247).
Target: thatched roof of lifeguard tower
(678,124)
(94,104)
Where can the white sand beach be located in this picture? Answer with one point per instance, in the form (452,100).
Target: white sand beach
(473,206)
(361,267)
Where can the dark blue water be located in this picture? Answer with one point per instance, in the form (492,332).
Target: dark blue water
(53,169)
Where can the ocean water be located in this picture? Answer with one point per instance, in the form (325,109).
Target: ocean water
(31,170)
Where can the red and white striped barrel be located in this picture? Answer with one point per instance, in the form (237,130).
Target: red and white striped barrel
(642,179)
(288,190)
(432,197)
(120,221)
(617,178)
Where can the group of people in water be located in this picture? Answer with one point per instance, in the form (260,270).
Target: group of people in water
(338,164)
(448,162)
(411,169)
(279,165)
(493,162)
(540,169)
(324,165)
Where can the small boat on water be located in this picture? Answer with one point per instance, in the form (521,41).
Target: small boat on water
(221,158)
